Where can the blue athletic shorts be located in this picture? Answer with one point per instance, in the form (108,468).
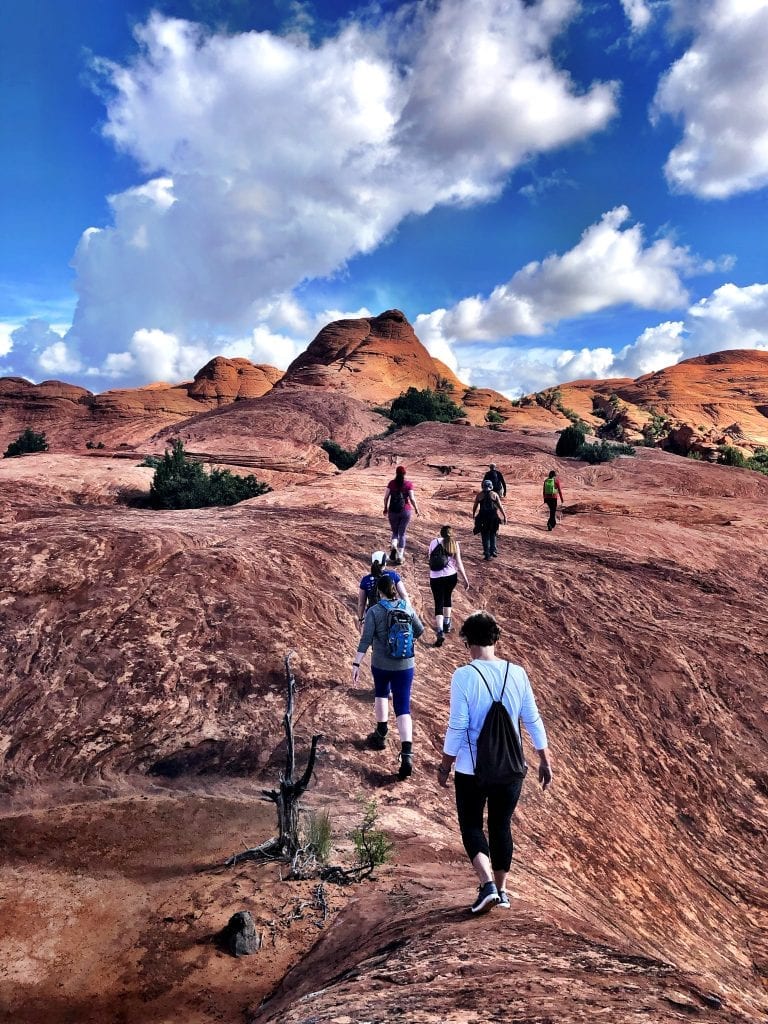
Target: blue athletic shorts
(396,681)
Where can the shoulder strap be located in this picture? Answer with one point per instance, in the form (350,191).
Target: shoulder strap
(506,673)
(472,665)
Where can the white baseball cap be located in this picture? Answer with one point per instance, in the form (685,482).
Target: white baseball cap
(379,556)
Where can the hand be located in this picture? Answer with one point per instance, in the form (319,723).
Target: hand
(466,584)
(355,674)
(442,778)
(545,774)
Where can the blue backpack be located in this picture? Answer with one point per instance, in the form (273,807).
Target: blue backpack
(399,629)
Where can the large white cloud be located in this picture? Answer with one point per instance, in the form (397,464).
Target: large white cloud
(731,317)
(719,89)
(639,14)
(611,265)
(271,161)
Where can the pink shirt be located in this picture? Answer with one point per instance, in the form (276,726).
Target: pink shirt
(451,568)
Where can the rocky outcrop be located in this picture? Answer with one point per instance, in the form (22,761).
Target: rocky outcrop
(374,358)
(229,380)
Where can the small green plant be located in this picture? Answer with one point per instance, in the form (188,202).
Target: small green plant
(550,398)
(151,462)
(603,452)
(696,456)
(95,444)
(181,483)
(569,442)
(416,406)
(26,443)
(382,410)
(494,416)
(727,455)
(372,846)
(342,458)
(319,835)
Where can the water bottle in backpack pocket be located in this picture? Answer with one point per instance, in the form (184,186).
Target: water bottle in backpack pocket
(399,629)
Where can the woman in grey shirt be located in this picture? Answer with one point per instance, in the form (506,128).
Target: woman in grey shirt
(392,665)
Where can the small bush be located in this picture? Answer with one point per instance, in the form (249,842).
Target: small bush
(569,442)
(342,458)
(151,462)
(26,443)
(603,452)
(372,846)
(180,483)
(95,444)
(319,835)
(421,406)
(494,416)
(696,456)
(383,410)
(730,456)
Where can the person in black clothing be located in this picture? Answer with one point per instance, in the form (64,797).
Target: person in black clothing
(550,492)
(498,482)
(488,508)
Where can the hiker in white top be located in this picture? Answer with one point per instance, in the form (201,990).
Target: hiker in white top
(472,687)
(445,564)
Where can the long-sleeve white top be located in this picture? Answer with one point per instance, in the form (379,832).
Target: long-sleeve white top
(471,702)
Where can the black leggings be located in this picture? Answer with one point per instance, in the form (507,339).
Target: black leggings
(442,588)
(470,805)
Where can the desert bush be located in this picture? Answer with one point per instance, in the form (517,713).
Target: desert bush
(696,456)
(603,452)
(319,835)
(372,846)
(180,483)
(150,462)
(95,444)
(26,443)
(494,416)
(421,406)
(382,410)
(569,442)
(729,456)
(342,458)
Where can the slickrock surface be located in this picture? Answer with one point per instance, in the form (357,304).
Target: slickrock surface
(140,717)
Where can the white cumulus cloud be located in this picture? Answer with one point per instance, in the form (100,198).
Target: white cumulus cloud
(609,266)
(638,13)
(718,89)
(271,161)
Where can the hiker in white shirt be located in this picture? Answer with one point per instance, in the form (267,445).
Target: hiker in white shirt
(474,687)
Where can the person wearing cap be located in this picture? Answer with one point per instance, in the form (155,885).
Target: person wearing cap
(367,594)
(498,482)
(399,504)
(488,510)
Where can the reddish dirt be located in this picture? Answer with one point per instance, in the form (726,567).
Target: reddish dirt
(142,656)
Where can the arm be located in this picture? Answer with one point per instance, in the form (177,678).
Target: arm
(417,624)
(531,719)
(501,507)
(477,502)
(460,565)
(560,492)
(458,723)
(361,599)
(401,591)
(412,499)
(387,493)
(503,485)
(366,639)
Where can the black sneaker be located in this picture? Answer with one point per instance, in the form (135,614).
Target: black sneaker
(406,766)
(376,741)
(487,898)
(504,900)
(440,639)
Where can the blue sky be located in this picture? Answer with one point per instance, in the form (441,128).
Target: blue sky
(549,190)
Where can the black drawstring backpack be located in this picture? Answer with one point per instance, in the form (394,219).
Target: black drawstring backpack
(500,757)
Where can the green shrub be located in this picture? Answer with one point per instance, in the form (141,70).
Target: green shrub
(494,416)
(696,456)
(26,443)
(383,410)
(342,458)
(730,456)
(95,444)
(603,452)
(569,442)
(319,835)
(372,846)
(181,483)
(421,406)
(151,462)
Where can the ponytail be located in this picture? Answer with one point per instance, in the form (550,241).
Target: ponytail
(386,587)
(449,544)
